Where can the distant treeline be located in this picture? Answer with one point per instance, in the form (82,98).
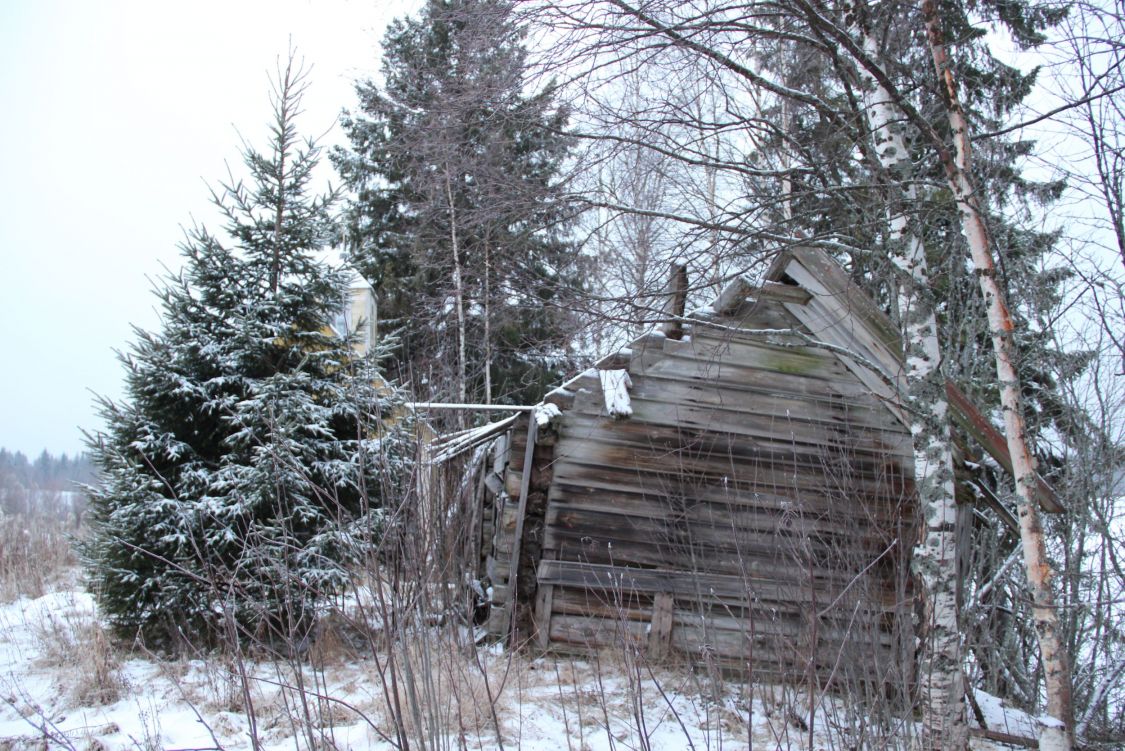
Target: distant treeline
(47,483)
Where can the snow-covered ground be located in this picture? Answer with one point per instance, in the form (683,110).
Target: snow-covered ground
(62,685)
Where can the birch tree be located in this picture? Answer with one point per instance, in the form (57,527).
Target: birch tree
(1056,727)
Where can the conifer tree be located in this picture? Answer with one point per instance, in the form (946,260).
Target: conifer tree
(458,218)
(244,469)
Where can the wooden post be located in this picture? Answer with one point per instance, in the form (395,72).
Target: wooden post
(660,631)
(521,512)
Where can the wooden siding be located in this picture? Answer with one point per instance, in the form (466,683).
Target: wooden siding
(752,512)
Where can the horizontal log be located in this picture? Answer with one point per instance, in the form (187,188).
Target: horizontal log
(678,537)
(699,432)
(581,462)
(694,587)
(851,411)
(718,505)
(1006,738)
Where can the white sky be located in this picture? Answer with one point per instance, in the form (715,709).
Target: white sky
(113,117)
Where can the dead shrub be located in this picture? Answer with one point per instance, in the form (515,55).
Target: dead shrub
(339,639)
(78,642)
(442,690)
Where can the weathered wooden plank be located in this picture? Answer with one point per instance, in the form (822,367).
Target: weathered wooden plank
(690,586)
(709,428)
(618,360)
(722,374)
(682,470)
(842,313)
(679,531)
(544,605)
(593,633)
(736,561)
(823,327)
(733,295)
(660,630)
(856,412)
(723,353)
(623,495)
(767,658)
(788,658)
(718,506)
(713,431)
(780,619)
(840,287)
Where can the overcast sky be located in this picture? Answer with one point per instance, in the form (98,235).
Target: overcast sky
(114,117)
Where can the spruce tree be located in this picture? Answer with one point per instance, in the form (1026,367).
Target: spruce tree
(458,219)
(247,464)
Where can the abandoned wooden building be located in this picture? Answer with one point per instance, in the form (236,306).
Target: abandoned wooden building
(734,490)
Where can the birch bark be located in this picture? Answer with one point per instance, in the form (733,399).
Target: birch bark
(1055,728)
(941,680)
(458,292)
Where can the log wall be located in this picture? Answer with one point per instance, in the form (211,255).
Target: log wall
(753,513)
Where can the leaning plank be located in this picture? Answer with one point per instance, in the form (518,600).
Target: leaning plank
(841,287)
(994,442)
(521,513)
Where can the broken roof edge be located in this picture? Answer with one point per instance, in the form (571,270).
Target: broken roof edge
(965,413)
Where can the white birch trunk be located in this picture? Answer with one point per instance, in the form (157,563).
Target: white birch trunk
(1055,729)
(487,325)
(941,680)
(458,293)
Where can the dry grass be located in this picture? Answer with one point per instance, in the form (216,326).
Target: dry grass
(77,642)
(35,555)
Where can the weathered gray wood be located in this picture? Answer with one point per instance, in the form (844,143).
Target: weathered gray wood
(799,472)
(544,605)
(615,361)
(660,630)
(757,476)
(841,310)
(889,395)
(660,425)
(675,300)
(717,505)
(733,295)
(852,298)
(521,514)
(693,587)
(994,442)
(789,293)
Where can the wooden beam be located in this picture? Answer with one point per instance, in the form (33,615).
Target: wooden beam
(1007,738)
(993,441)
(521,512)
(789,293)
